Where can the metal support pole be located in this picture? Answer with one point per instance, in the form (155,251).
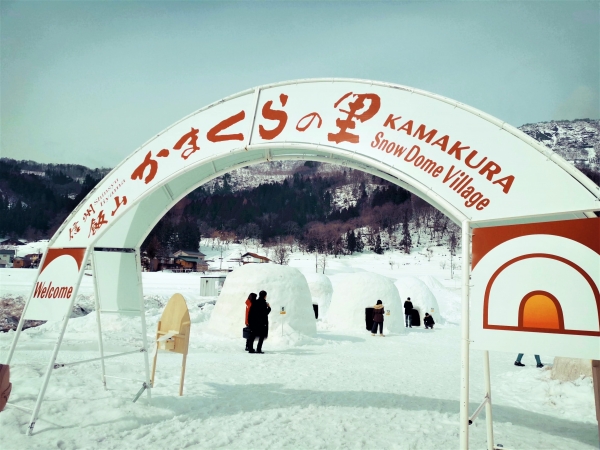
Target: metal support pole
(464,378)
(488,406)
(138,264)
(50,367)
(98,320)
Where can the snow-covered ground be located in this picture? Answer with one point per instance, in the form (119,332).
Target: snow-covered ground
(339,389)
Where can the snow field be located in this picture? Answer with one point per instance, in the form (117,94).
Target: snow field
(337,389)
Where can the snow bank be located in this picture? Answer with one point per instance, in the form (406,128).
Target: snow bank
(285,286)
(421,297)
(321,291)
(353,292)
(571,369)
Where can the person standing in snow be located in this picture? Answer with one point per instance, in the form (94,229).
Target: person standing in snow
(428,321)
(249,300)
(408,307)
(537,360)
(378,312)
(258,321)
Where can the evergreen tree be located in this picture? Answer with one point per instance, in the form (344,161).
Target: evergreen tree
(378,248)
(406,242)
(351,241)
(360,245)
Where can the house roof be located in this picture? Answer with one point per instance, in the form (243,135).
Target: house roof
(254,255)
(189,253)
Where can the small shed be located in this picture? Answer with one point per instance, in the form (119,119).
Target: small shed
(6,257)
(248,258)
(211,284)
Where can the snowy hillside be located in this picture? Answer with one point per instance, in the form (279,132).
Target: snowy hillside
(577,141)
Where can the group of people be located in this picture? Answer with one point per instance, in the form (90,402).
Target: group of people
(408,311)
(379,312)
(257,319)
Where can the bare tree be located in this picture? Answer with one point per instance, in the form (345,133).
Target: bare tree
(281,253)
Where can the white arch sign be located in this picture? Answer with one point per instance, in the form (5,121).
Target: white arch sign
(475,168)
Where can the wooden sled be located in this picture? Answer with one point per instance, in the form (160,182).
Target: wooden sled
(173,333)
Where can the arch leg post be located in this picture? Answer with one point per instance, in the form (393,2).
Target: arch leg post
(464,379)
(48,373)
(99,323)
(488,406)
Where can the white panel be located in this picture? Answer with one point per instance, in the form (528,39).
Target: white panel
(566,283)
(56,284)
(117,276)
(355,117)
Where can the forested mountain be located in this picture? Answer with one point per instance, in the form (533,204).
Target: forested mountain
(318,206)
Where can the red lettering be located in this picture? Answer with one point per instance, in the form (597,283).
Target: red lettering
(312,116)
(38,289)
(410,152)
(407,127)
(192,137)
(149,163)
(505,182)
(492,169)
(352,115)
(119,201)
(442,142)
(420,134)
(456,149)
(273,114)
(482,204)
(390,121)
(375,142)
(214,136)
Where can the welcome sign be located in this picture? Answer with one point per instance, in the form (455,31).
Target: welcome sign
(56,284)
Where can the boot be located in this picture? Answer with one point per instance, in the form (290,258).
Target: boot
(251,351)
(520,364)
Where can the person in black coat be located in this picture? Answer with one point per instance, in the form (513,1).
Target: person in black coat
(408,307)
(378,313)
(258,321)
(428,321)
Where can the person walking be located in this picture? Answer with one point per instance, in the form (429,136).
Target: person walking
(249,300)
(258,321)
(537,360)
(378,313)
(408,307)
(428,321)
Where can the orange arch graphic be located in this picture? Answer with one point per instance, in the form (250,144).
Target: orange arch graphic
(521,327)
(541,310)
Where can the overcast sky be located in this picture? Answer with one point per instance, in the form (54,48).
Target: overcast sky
(89,82)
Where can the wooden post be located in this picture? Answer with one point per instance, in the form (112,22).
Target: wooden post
(182,374)
(596,378)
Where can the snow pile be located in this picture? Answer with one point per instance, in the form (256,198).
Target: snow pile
(321,291)
(449,300)
(571,369)
(353,292)
(285,286)
(421,297)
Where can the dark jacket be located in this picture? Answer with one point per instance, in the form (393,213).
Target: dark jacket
(428,321)
(378,313)
(408,307)
(258,318)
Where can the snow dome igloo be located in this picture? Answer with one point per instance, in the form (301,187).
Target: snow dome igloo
(285,287)
(421,297)
(353,292)
(321,291)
